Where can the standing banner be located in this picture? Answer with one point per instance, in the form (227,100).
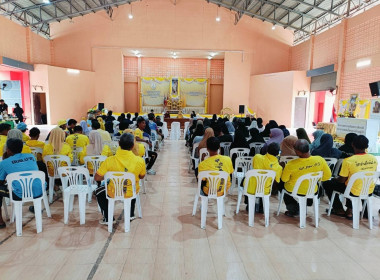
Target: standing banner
(153,92)
(193,95)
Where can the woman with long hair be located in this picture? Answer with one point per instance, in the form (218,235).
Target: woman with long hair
(302,134)
(276,136)
(18,111)
(209,132)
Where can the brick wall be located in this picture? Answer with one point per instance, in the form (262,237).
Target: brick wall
(326,49)
(299,56)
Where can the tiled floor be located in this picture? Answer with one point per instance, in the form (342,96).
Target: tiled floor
(168,242)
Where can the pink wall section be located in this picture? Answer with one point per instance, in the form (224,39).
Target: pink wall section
(23,77)
(68,95)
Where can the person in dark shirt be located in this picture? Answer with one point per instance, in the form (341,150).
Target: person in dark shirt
(3,106)
(159,122)
(136,116)
(70,125)
(18,111)
(128,119)
(220,135)
(109,117)
(121,117)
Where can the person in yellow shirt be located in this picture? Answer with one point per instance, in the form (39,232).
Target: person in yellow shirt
(57,146)
(34,134)
(268,161)
(138,148)
(23,127)
(4,128)
(95,125)
(215,162)
(123,161)
(17,134)
(296,168)
(77,139)
(360,161)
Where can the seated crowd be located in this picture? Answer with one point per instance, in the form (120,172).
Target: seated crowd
(134,151)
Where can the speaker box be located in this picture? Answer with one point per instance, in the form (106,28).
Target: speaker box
(100,106)
(241,109)
(375,88)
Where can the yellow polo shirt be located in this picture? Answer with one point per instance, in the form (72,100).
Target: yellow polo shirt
(105,152)
(123,161)
(217,163)
(78,140)
(25,137)
(301,166)
(48,151)
(3,139)
(36,144)
(357,163)
(141,149)
(139,133)
(25,149)
(267,162)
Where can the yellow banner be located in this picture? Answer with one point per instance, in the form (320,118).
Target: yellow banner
(154,90)
(193,92)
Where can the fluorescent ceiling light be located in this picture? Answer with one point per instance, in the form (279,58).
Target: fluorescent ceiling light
(136,52)
(209,57)
(130,16)
(363,63)
(73,71)
(212,54)
(273,27)
(217,18)
(46,1)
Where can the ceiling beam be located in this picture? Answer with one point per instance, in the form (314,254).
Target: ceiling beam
(316,7)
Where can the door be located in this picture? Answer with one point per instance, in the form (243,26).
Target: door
(300,104)
(39,105)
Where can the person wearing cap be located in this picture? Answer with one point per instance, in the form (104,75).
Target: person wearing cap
(22,126)
(61,124)
(4,128)
(3,106)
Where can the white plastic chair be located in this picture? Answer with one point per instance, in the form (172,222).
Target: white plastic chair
(368,178)
(186,128)
(286,159)
(203,154)
(239,152)
(113,145)
(154,139)
(165,130)
(262,177)
(338,165)
(226,148)
(94,162)
(257,146)
(331,162)
(312,180)
(76,151)
(73,178)
(192,157)
(26,180)
(55,161)
(266,139)
(214,179)
(36,151)
(116,138)
(118,180)
(175,131)
(242,165)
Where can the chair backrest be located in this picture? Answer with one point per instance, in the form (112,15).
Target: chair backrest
(257,146)
(239,152)
(286,159)
(331,162)
(226,148)
(266,139)
(73,176)
(203,153)
(113,145)
(313,178)
(55,162)
(186,127)
(153,135)
(26,180)
(262,176)
(215,179)
(95,162)
(195,146)
(36,151)
(146,146)
(367,177)
(119,182)
(76,151)
(243,164)
(337,167)
(116,138)
(175,125)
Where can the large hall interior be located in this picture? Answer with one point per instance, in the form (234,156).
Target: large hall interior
(189,139)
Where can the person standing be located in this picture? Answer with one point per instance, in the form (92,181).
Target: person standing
(3,106)
(18,111)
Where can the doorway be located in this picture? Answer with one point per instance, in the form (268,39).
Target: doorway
(323,106)
(39,105)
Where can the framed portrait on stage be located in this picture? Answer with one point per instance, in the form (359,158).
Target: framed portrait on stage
(174,88)
(352,103)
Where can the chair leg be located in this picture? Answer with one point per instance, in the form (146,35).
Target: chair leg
(66,206)
(266,209)
(111,207)
(18,214)
(240,194)
(220,202)
(204,211)
(127,215)
(316,210)
(302,207)
(138,203)
(369,209)
(251,210)
(51,189)
(71,203)
(196,198)
(89,198)
(280,202)
(82,207)
(13,213)
(46,203)
(331,202)
(355,212)
(38,214)
(363,209)
(5,209)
